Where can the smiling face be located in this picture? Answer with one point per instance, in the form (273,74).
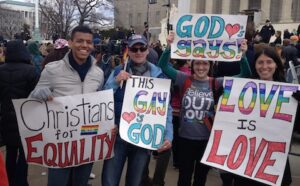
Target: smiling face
(265,67)
(200,69)
(81,45)
(138,53)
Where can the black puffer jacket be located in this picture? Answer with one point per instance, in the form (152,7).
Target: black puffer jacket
(17,80)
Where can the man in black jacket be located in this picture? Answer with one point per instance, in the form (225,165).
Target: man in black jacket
(17,80)
(267,31)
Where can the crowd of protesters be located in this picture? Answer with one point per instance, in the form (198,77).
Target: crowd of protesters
(35,70)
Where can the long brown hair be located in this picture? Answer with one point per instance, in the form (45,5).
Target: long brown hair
(271,53)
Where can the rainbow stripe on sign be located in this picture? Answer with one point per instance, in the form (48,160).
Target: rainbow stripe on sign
(89,129)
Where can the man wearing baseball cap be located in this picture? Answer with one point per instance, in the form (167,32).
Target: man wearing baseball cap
(137,156)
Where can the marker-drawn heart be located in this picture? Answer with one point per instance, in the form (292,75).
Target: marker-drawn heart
(232,29)
(128,116)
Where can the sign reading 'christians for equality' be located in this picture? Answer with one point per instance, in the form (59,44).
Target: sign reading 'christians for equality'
(252,129)
(68,131)
(208,37)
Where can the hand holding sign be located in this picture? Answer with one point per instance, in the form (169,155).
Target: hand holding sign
(122,76)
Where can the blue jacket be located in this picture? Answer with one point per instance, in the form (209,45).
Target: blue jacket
(119,95)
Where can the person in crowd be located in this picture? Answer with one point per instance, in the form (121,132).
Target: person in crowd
(119,34)
(158,48)
(46,48)
(298,30)
(105,60)
(137,157)
(131,32)
(146,32)
(185,67)
(267,31)
(268,67)
(61,47)
(17,80)
(194,131)
(3,174)
(2,55)
(286,34)
(36,57)
(162,158)
(76,73)
(290,52)
(278,40)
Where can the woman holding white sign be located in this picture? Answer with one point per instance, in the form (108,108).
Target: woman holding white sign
(268,67)
(198,95)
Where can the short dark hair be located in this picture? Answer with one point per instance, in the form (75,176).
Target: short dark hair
(81,28)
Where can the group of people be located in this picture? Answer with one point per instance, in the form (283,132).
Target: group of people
(75,71)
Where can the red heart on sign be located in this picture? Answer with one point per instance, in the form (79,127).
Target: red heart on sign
(232,29)
(128,116)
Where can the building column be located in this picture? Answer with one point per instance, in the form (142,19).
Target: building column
(208,6)
(286,11)
(265,10)
(244,5)
(184,6)
(193,7)
(226,6)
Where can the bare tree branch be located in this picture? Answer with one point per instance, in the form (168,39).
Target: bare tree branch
(88,11)
(59,16)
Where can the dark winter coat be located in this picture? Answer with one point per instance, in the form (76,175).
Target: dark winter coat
(17,80)
(266,32)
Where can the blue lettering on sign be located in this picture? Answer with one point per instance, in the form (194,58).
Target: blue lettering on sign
(214,21)
(137,132)
(187,29)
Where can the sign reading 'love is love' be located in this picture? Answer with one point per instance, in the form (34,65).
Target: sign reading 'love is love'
(208,37)
(252,129)
(144,111)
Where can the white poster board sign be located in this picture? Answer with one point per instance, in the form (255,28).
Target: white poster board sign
(252,129)
(208,37)
(144,111)
(67,131)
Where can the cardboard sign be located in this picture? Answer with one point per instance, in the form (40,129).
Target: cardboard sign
(208,37)
(252,129)
(144,111)
(67,131)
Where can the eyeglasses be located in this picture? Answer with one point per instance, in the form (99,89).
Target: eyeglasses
(141,49)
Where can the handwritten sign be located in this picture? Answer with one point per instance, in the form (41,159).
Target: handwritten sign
(144,111)
(252,129)
(208,37)
(68,131)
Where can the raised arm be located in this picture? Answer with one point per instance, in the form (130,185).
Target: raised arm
(244,65)
(163,62)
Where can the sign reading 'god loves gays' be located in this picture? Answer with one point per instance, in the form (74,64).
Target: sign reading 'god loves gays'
(252,129)
(144,112)
(208,37)
(68,131)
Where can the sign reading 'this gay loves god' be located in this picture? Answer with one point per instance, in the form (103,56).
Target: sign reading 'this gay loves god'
(252,129)
(144,112)
(208,37)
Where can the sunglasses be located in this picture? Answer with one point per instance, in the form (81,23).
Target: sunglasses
(141,49)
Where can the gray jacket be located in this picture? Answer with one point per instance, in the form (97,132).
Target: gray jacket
(63,80)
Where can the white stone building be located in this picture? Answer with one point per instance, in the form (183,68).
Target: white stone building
(24,6)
